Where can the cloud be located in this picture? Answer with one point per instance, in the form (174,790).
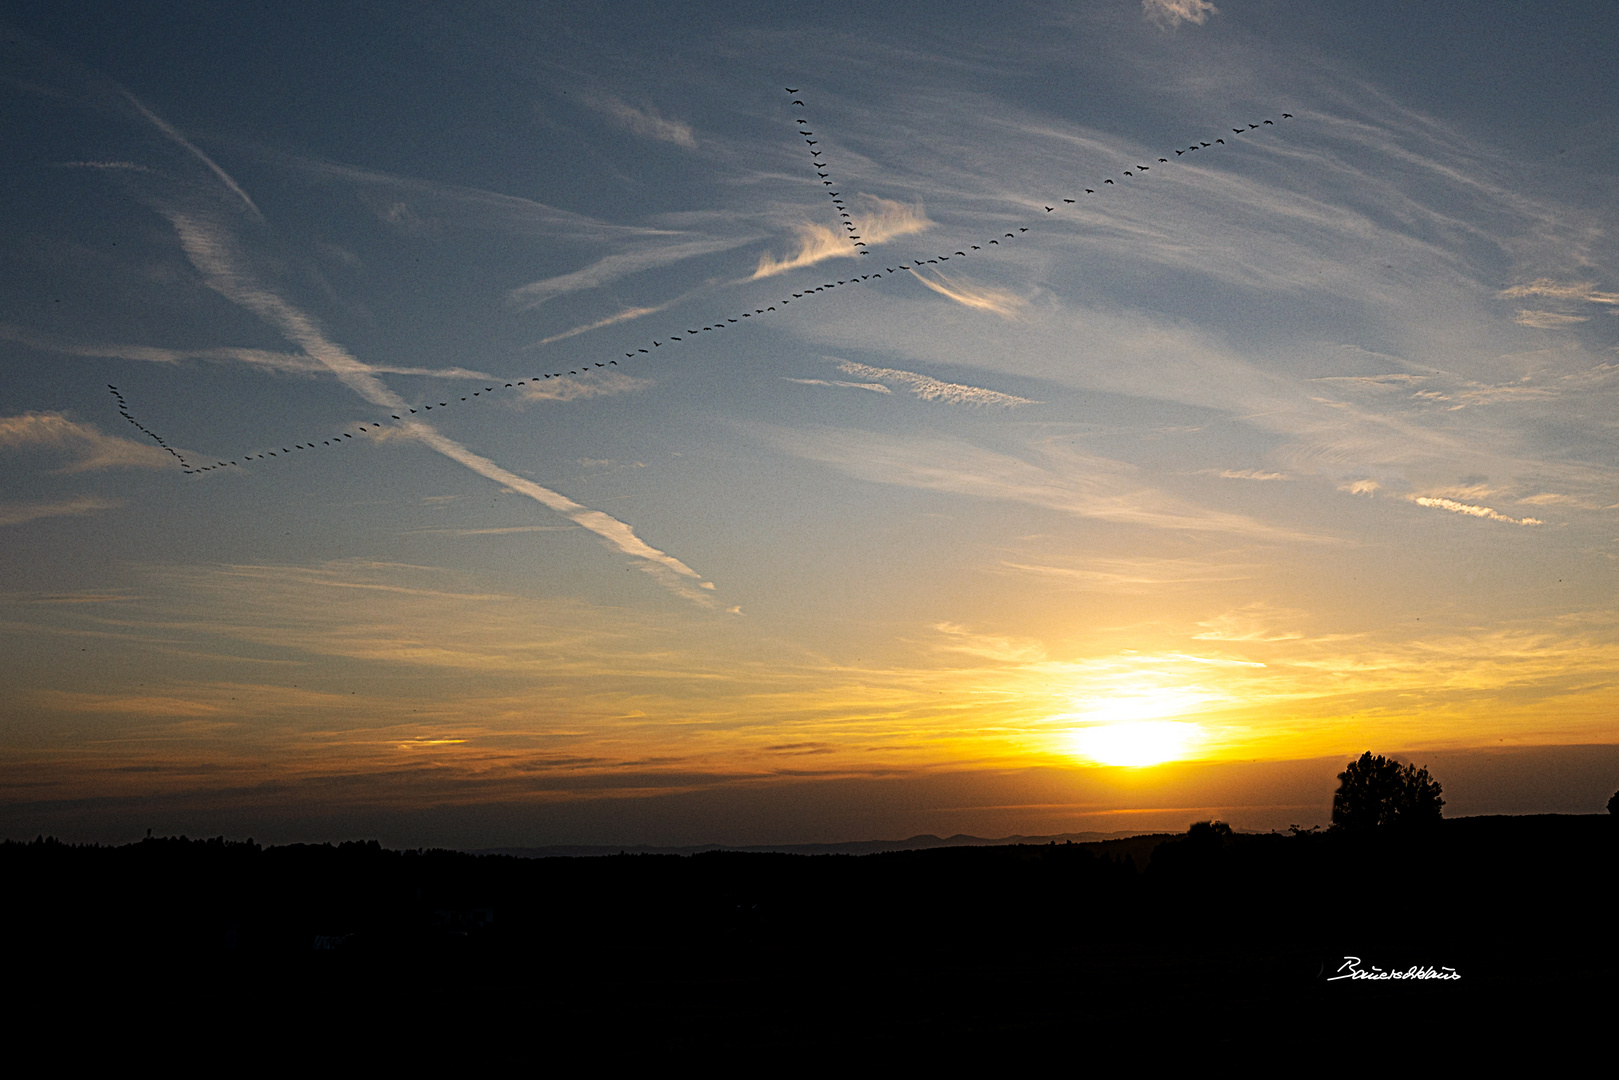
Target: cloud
(173,133)
(1546,320)
(212,252)
(612,267)
(93,448)
(930,389)
(878,388)
(574,389)
(880,220)
(126,166)
(983,298)
(1171,13)
(290,363)
(1574,290)
(1367,488)
(18,513)
(612,320)
(644,122)
(1249,474)
(1472,511)
(1069,482)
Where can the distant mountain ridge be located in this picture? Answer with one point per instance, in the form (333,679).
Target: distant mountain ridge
(922,842)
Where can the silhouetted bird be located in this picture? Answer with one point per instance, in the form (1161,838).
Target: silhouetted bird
(790,90)
(1220,141)
(1068,200)
(1107,181)
(1270,121)
(1287,116)
(1163,159)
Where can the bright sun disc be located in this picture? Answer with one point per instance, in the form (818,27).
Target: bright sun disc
(1135,743)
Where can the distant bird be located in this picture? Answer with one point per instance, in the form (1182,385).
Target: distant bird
(1252,126)
(1220,141)
(963,254)
(790,90)
(1205,144)
(1090,191)
(1022,230)
(1163,159)
(975,247)
(812,142)
(1141,168)
(1127,172)
(1270,121)
(1068,200)
(994,241)
(1287,116)
(798,103)
(1107,181)
(1049,209)
(1236,131)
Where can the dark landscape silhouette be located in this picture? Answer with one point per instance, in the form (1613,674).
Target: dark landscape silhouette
(964,943)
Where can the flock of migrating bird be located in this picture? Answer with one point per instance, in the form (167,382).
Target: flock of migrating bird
(1134,174)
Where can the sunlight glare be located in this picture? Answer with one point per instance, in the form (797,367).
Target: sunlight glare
(1135,742)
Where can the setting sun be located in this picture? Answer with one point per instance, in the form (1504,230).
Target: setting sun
(1135,743)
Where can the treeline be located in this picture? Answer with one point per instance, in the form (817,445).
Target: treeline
(1007,937)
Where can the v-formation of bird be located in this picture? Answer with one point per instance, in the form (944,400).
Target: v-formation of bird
(1134,173)
(826,181)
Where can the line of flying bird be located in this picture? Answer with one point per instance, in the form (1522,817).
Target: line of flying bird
(594,367)
(849,226)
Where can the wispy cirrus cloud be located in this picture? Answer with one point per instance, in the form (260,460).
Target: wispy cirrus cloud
(879,219)
(1067,481)
(20,513)
(213,252)
(267,359)
(1471,510)
(92,448)
(1171,13)
(644,122)
(981,297)
(573,388)
(627,315)
(612,267)
(930,389)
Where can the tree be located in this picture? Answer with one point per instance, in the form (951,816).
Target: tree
(1613,803)
(1376,794)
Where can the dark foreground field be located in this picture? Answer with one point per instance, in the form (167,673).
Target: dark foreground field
(1155,943)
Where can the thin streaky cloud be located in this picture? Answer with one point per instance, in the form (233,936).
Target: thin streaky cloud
(1171,13)
(643,122)
(1573,290)
(930,389)
(293,363)
(20,513)
(627,315)
(1070,482)
(877,388)
(173,133)
(575,389)
(613,267)
(1472,511)
(211,252)
(128,166)
(981,297)
(1547,320)
(879,221)
(93,448)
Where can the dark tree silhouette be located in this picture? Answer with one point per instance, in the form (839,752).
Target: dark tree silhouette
(1613,803)
(1375,793)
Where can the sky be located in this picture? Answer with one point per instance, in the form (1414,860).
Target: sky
(518,424)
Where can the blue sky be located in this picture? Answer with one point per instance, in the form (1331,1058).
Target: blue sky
(1291,445)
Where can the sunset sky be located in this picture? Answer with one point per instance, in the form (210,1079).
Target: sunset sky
(1291,446)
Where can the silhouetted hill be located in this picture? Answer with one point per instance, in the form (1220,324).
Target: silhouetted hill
(951,945)
(923,842)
